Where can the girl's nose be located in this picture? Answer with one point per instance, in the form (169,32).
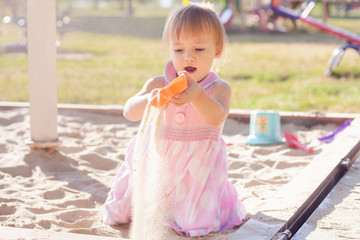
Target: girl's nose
(188,56)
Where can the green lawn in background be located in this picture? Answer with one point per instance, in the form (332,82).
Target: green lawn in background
(266,71)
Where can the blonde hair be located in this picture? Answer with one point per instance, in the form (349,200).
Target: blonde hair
(193,20)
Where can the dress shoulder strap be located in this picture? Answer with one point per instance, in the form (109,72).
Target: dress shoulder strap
(211,84)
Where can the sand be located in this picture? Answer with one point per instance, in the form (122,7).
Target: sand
(65,190)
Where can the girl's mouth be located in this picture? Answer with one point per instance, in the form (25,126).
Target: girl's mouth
(190,69)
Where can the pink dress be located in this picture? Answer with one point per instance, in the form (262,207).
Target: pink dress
(204,200)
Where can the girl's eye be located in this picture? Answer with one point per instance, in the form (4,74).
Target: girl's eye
(199,49)
(177,50)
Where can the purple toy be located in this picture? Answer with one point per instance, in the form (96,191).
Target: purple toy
(330,138)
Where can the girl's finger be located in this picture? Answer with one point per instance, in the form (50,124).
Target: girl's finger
(188,76)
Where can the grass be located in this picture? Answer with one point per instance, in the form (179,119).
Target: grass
(266,71)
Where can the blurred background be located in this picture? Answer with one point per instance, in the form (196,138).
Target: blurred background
(107,49)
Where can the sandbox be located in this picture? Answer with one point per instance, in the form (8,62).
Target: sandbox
(60,195)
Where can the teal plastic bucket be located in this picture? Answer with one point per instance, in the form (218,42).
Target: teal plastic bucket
(265,128)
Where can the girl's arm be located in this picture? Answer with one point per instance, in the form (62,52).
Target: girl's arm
(213,109)
(135,106)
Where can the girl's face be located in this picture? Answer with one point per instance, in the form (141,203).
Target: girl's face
(194,54)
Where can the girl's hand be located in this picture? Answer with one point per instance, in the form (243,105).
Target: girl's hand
(213,109)
(153,93)
(135,106)
(190,94)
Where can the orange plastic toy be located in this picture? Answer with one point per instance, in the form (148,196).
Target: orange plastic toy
(166,93)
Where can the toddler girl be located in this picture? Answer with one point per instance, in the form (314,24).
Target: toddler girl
(202,200)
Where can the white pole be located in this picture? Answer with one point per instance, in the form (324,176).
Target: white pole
(41,26)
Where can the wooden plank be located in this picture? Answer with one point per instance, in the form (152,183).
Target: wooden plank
(10,233)
(307,119)
(272,216)
(337,216)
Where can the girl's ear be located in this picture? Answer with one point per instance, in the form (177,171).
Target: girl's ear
(218,51)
